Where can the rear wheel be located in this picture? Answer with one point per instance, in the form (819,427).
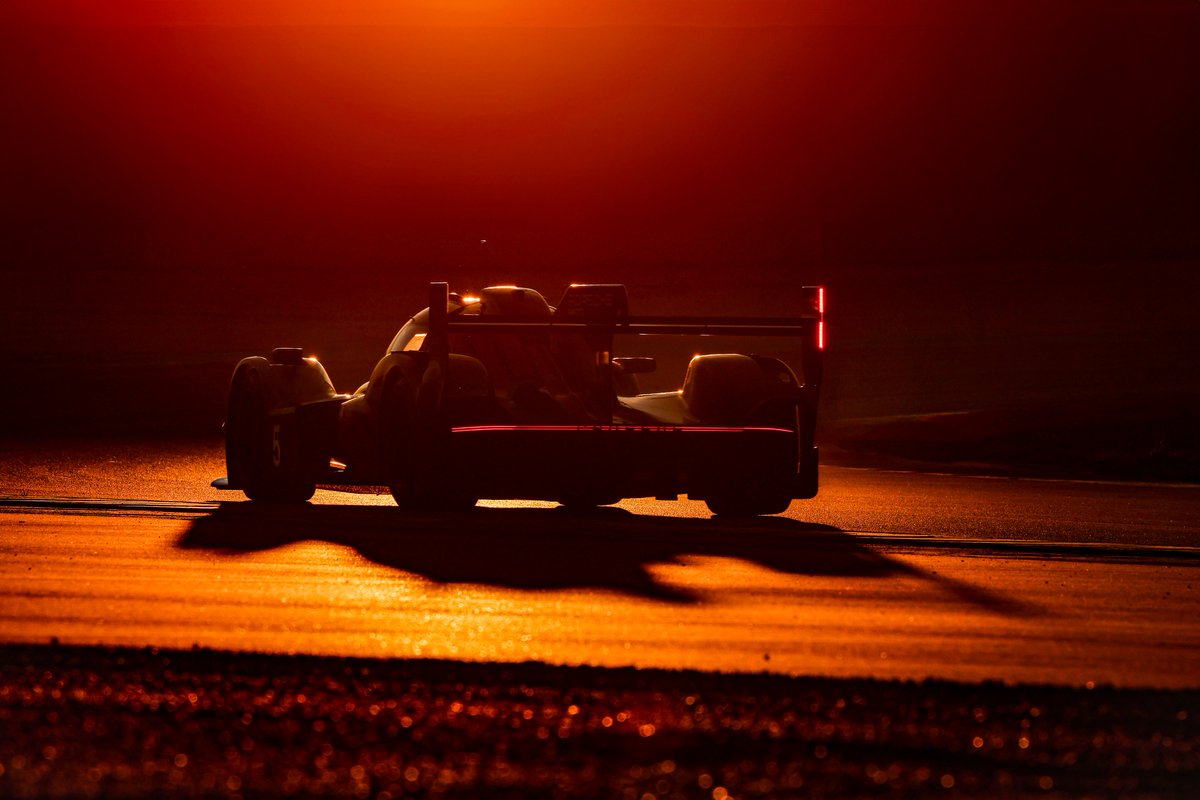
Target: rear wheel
(255,452)
(417,499)
(752,391)
(748,503)
(587,502)
(750,495)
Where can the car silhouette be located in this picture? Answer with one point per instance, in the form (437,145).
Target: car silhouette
(504,396)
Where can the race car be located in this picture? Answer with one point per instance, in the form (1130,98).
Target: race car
(503,396)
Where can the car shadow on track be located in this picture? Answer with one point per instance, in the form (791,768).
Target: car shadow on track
(555,548)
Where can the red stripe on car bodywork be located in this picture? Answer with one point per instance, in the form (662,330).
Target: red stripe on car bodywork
(622,428)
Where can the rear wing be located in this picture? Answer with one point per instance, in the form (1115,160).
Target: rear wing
(613,319)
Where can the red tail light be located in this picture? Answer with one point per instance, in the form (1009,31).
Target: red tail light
(814,298)
(821,319)
(821,322)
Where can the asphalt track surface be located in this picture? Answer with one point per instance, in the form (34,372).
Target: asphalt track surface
(885,575)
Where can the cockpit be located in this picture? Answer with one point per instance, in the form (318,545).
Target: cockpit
(536,377)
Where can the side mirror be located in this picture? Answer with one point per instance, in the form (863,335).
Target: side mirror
(625,371)
(634,365)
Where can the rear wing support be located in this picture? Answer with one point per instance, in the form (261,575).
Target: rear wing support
(437,344)
(812,355)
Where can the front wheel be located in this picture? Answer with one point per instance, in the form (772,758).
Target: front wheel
(409,462)
(255,452)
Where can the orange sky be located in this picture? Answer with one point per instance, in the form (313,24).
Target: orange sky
(155,165)
(780,133)
(488,13)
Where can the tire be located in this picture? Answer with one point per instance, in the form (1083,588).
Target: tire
(251,448)
(414,499)
(585,503)
(748,503)
(736,389)
(749,498)
(410,478)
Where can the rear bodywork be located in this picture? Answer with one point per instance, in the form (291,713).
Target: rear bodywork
(507,397)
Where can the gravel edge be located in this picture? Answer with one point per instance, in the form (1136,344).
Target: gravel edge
(119,722)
